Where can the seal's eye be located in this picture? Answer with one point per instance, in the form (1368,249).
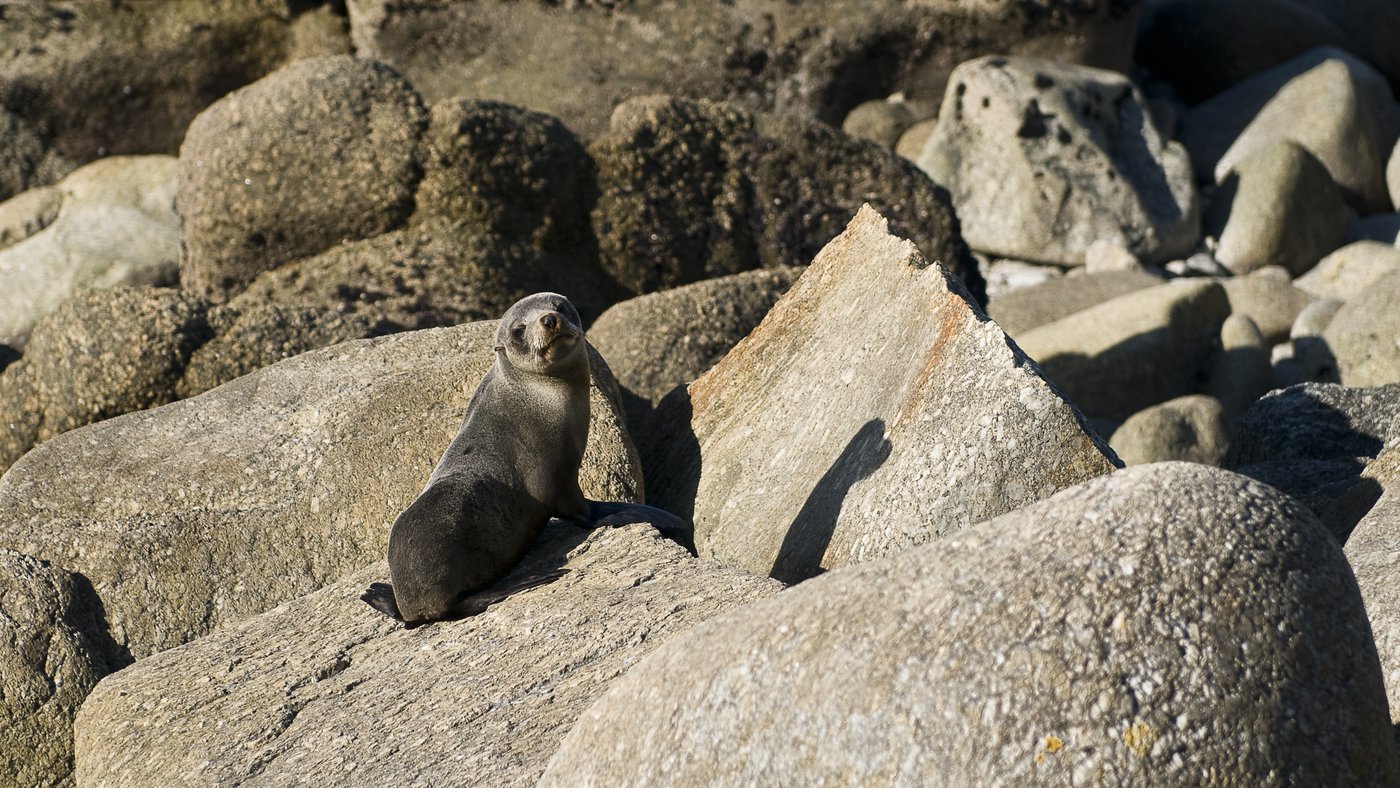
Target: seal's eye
(518,332)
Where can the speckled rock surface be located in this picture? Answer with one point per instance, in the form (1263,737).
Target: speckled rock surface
(318,153)
(326,686)
(266,488)
(53,649)
(1025,308)
(26,159)
(1163,625)
(1115,359)
(1043,159)
(1374,551)
(110,223)
(874,408)
(1194,428)
(1364,335)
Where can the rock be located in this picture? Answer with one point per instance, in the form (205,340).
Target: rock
(911,143)
(108,352)
(1005,276)
(658,341)
(1116,358)
(1372,550)
(766,190)
(248,340)
(1043,159)
(20,412)
(1023,309)
(1277,206)
(1194,428)
(578,61)
(1365,23)
(1311,358)
(1383,227)
(1229,42)
(360,686)
(321,30)
(1272,303)
(115,225)
(1240,372)
(873,409)
(53,649)
(1104,256)
(880,121)
(1351,271)
(1392,176)
(27,213)
(1364,336)
(267,487)
(1326,101)
(1099,635)
(26,160)
(321,152)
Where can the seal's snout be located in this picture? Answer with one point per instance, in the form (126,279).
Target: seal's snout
(550,321)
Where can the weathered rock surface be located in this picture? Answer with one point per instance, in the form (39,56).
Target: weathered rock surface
(761,190)
(1364,336)
(1351,271)
(1025,308)
(1373,550)
(1193,428)
(1116,358)
(880,121)
(657,341)
(1043,159)
(103,78)
(874,408)
(1272,302)
(1276,206)
(1164,625)
(266,488)
(318,153)
(579,60)
(326,686)
(26,159)
(53,649)
(1326,101)
(110,223)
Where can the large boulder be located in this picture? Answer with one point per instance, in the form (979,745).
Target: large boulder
(326,686)
(1169,624)
(101,78)
(1043,159)
(1367,25)
(265,488)
(1364,336)
(1120,356)
(320,152)
(109,223)
(1374,552)
(53,649)
(1351,271)
(1025,308)
(874,408)
(817,60)
(1335,106)
(758,190)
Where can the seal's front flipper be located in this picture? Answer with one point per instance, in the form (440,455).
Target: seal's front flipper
(476,602)
(612,513)
(380,596)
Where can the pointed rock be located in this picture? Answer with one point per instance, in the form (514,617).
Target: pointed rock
(874,408)
(325,686)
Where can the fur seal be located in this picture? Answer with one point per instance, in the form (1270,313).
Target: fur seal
(513,465)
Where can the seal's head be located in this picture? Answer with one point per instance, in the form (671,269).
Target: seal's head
(542,333)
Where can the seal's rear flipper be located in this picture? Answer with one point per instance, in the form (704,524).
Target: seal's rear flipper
(380,596)
(612,513)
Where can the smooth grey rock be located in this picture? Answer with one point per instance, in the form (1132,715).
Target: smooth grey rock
(326,686)
(1169,624)
(1276,206)
(1311,358)
(761,190)
(1025,308)
(814,60)
(1272,303)
(53,649)
(1351,271)
(1326,101)
(114,224)
(658,341)
(880,121)
(1373,549)
(1194,428)
(318,153)
(911,143)
(1005,276)
(1364,336)
(1043,159)
(1392,176)
(874,408)
(1228,42)
(1116,358)
(1105,256)
(1241,372)
(267,487)
(1383,227)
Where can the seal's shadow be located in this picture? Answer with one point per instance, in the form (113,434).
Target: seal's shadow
(810,534)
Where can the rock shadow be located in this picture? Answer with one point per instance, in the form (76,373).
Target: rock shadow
(807,539)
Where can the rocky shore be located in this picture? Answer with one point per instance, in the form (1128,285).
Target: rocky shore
(1029,369)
